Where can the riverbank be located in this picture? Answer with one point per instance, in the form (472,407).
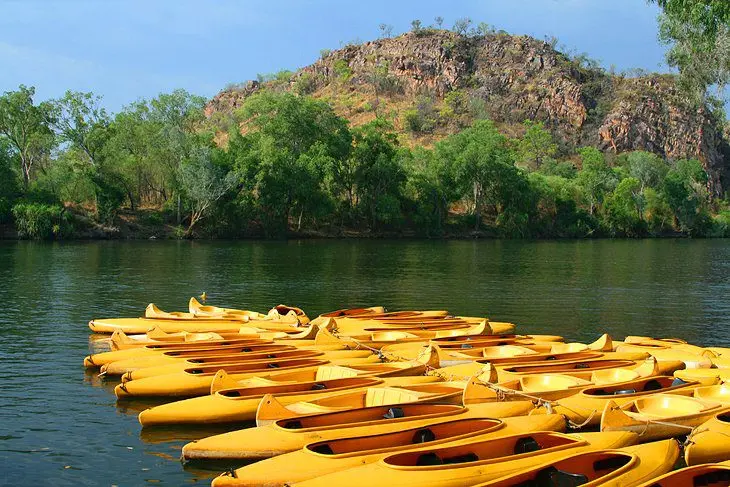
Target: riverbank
(150,224)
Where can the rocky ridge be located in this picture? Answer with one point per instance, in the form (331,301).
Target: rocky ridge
(512,78)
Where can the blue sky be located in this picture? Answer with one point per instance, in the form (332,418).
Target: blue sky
(125,50)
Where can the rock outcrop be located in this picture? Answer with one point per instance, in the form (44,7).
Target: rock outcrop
(516,78)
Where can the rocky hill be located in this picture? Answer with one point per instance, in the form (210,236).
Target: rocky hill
(434,82)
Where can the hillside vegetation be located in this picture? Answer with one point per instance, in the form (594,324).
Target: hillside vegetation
(432,133)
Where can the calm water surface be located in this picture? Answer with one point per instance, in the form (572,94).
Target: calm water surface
(61,426)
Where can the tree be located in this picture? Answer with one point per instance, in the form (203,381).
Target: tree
(378,175)
(596,177)
(648,168)
(203,183)
(290,143)
(431,187)
(386,31)
(439,22)
(685,188)
(8,181)
(484,170)
(81,121)
(625,207)
(25,126)
(416,26)
(698,32)
(484,29)
(536,145)
(461,26)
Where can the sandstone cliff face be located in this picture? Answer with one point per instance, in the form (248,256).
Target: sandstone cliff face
(518,78)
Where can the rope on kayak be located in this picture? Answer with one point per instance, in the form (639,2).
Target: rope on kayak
(664,423)
(501,392)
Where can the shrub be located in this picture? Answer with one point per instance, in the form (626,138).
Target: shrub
(306,84)
(109,198)
(5,209)
(41,221)
(342,70)
(722,224)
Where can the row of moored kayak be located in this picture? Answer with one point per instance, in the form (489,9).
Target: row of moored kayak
(361,397)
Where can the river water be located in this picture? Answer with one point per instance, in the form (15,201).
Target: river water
(62,426)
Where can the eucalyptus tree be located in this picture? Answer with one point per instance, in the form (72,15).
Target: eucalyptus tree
(25,127)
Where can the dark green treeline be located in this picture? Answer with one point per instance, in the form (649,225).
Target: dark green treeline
(284,163)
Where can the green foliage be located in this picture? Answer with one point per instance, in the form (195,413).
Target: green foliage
(648,168)
(722,224)
(284,157)
(564,169)
(698,32)
(536,145)
(625,208)
(203,183)
(39,221)
(110,194)
(422,118)
(456,108)
(378,174)
(596,178)
(659,215)
(484,172)
(461,26)
(685,188)
(342,70)
(24,127)
(306,84)
(289,163)
(556,211)
(430,187)
(384,82)
(9,190)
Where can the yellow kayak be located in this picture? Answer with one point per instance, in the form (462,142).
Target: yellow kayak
(197,381)
(131,371)
(582,369)
(192,359)
(716,474)
(222,380)
(600,363)
(625,467)
(289,435)
(193,325)
(99,359)
(275,407)
(120,340)
(708,443)
(507,356)
(280,312)
(544,387)
(321,458)
(659,416)
(707,377)
(240,404)
(585,407)
(693,358)
(469,463)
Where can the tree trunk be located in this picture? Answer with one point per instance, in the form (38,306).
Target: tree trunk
(179,205)
(477,213)
(299,222)
(25,166)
